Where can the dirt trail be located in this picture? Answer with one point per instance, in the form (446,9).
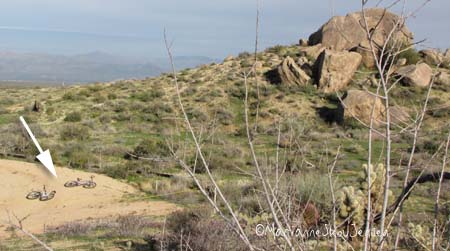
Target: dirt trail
(109,198)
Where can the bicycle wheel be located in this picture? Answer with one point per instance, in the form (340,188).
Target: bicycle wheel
(49,196)
(33,195)
(90,185)
(71,184)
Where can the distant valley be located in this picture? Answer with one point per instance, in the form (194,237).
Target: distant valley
(18,69)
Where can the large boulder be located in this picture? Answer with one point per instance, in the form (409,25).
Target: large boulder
(335,69)
(447,58)
(432,57)
(228,58)
(367,55)
(442,78)
(358,104)
(312,52)
(291,73)
(416,75)
(399,115)
(349,32)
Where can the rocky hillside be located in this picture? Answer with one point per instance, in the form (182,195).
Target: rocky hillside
(298,85)
(123,128)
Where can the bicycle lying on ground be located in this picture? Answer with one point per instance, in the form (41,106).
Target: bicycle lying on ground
(43,196)
(80,182)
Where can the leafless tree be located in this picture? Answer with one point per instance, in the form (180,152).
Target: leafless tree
(17,224)
(384,55)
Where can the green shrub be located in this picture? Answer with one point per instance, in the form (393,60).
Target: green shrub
(116,171)
(71,96)
(431,146)
(189,91)
(79,159)
(148,95)
(133,226)
(411,55)
(123,116)
(152,148)
(277,49)
(308,89)
(313,187)
(78,156)
(150,118)
(112,96)
(244,54)
(157,109)
(50,110)
(85,93)
(73,117)
(184,221)
(119,106)
(196,114)
(205,233)
(440,113)
(246,63)
(74,131)
(352,123)
(3,110)
(105,118)
(224,117)
(98,98)
(238,91)
(6,101)
(224,157)
(95,88)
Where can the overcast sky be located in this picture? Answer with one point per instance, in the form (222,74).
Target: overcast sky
(213,28)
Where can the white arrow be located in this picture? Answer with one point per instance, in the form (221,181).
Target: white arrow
(44,156)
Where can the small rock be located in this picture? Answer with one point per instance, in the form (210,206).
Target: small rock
(305,65)
(274,60)
(416,75)
(442,78)
(447,58)
(303,42)
(401,62)
(129,244)
(229,58)
(258,65)
(373,81)
(302,60)
(432,57)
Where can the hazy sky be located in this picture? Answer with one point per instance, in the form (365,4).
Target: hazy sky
(213,28)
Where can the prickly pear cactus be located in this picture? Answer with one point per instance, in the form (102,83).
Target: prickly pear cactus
(352,202)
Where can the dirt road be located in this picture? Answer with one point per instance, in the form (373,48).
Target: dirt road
(109,198)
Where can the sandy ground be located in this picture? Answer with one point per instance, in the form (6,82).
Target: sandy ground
(109,198)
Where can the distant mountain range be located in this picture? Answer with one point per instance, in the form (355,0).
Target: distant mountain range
(90,67)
